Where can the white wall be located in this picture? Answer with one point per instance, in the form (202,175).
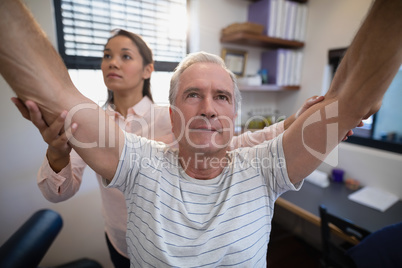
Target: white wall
(331,24)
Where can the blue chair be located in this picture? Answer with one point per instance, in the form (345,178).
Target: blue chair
(29,244)
(382,248)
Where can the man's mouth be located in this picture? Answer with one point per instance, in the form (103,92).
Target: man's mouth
(204,129)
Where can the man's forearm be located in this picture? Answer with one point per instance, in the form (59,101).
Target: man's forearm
(371,61)
(359,85)
(35,71)
(29,63)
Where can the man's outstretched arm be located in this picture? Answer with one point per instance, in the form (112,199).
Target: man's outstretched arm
(35,71)
(359,85)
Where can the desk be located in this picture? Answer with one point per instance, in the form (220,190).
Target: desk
(305,203)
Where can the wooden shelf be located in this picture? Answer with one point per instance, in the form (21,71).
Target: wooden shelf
(264,88)
(242,38)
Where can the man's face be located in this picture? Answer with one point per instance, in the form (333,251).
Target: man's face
(203,118)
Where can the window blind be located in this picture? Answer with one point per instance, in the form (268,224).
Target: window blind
(83,27)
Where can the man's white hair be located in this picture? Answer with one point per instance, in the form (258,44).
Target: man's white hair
(197,57)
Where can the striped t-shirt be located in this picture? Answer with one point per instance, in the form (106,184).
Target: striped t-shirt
(178,221)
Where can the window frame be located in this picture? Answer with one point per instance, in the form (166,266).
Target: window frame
(94,63)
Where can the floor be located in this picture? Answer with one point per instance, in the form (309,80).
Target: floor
(285,250)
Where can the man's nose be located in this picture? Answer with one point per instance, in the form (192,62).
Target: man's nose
(208,108)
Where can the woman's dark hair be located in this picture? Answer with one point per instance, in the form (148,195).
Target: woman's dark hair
(147,58)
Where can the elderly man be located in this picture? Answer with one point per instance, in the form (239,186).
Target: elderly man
(202,205)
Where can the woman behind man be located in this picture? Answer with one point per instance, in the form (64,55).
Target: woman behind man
(127,66)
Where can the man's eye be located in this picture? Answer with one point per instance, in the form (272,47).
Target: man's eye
(192,95)
(106,56)
(223,97)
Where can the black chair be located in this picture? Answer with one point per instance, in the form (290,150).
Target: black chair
(334,252)
(29,244)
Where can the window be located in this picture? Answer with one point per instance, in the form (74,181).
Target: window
(83,27)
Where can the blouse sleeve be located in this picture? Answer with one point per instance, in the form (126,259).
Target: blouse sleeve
(57,187)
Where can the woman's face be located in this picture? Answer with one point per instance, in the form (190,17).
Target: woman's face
(122,66)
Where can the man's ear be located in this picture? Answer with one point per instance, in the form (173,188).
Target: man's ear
(148,71)
(170,113)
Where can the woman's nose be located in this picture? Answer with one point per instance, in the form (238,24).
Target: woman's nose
(113,63)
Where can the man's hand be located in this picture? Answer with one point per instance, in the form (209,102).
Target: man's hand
(58,152)
(350,132)
(306,105)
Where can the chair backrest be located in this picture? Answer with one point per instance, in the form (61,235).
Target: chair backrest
(334,251)
(27,246)
(382,248)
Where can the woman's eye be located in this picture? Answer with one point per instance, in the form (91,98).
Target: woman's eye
(126,57)
(106,56)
